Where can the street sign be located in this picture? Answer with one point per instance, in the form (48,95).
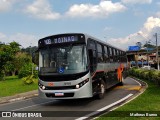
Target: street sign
(134,48)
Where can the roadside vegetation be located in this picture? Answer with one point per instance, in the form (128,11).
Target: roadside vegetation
(17,72)
(148,102)
(13,85)
(149,75)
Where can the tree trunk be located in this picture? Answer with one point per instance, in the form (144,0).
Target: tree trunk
(13,73)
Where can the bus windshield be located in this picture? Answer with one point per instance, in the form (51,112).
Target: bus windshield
(63,60)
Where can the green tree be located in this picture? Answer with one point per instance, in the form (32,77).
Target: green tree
(22,59)
(149,46)
(11,65)
(13,59)
(26,71)
(15,47)
(5,56)
(29,50)
(17,62)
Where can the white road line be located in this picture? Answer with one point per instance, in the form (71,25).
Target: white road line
(104,108)
(31,106)
(131,98)
(136,81)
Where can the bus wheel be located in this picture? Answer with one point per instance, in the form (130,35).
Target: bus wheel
(102,90)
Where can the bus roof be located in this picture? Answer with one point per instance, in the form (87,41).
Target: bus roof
(86,35)
(98,40)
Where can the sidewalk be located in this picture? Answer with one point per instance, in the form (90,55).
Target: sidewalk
(20,96)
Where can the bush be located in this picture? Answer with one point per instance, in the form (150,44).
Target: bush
(145,75)
(132,71)
(137,72)
(142,74)
(26,70)
(29,80)
(156,77)
(152,75)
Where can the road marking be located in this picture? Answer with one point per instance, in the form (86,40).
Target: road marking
(136,81)
(135,88)
(104,108)
(131,98)
(129,87)
(31,106)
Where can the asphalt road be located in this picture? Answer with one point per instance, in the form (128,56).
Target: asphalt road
(72,109)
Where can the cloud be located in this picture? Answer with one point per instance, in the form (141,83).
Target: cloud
(147,32)
(136,1)
(103,9)
(107,29)
(41,9)
(123,43)
(25,40)
(2,36)
(151,26)
(5,5)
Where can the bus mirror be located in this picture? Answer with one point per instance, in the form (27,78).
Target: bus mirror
(35,57)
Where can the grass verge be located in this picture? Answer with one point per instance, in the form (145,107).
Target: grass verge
(13,85)
(148,102)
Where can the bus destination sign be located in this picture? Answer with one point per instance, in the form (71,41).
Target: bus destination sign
(64,39)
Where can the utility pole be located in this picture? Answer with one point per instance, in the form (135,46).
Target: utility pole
(31,56)
(147,53)
(157,57)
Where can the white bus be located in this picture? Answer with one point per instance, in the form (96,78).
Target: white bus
(76,65)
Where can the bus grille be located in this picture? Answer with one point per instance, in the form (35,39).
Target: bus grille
(51,95)
(58,78)
(60,88)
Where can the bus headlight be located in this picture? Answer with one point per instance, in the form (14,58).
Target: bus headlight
(77,86)
(82,83)
(41,86)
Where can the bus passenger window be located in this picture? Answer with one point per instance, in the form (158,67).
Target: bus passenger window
(106,54)
(115,55)
(111,54)
(100,57)
(99,50)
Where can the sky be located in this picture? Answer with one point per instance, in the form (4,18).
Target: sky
(121,23)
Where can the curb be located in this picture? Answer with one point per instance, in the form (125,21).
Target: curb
(20,96)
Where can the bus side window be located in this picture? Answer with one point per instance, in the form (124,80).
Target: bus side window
(111,54)
(99,53)
(106,54)
(115,56)
(118,58)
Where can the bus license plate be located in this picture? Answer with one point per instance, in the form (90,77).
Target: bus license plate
(59,94)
